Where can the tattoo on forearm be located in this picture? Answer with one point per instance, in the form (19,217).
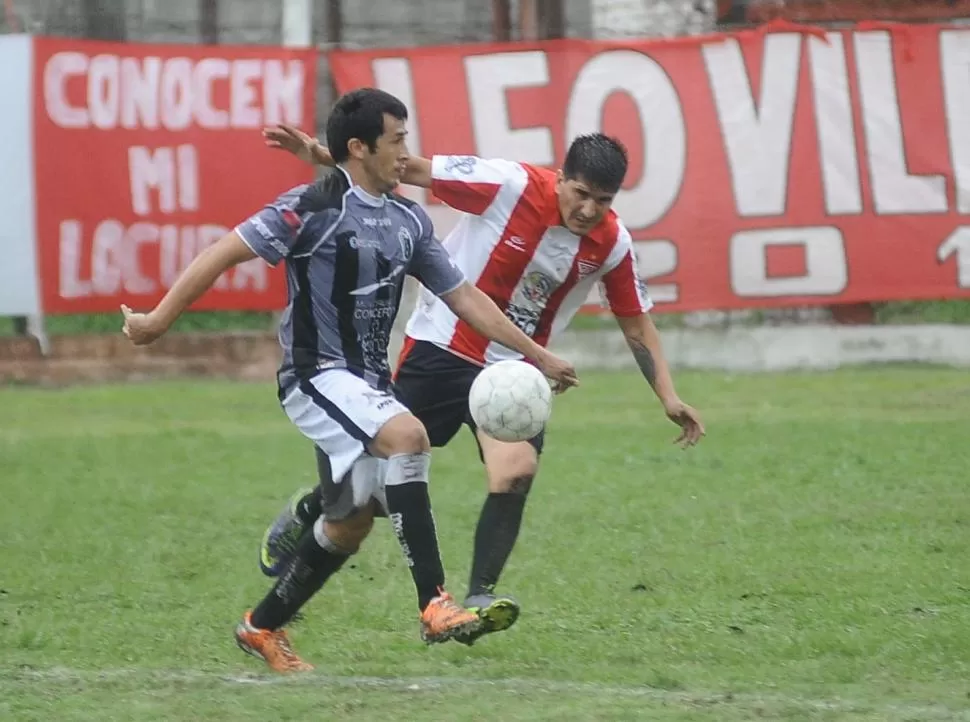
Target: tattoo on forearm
(644,359)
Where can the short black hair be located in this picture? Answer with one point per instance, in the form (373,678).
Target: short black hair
(596,159)
(360,114)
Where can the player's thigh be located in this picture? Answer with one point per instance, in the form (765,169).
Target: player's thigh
(509,466)
(342,415)
(434,385)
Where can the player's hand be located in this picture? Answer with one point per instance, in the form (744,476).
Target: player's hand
(562,373)
(689,421)
(141,328)
(286,137)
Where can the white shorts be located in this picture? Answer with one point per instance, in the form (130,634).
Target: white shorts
(341,413)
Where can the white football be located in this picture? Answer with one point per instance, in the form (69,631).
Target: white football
(510,400)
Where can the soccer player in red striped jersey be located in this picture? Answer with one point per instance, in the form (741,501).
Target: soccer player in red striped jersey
(537,242)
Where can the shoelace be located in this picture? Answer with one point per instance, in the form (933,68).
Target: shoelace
(283,644)
(450,606)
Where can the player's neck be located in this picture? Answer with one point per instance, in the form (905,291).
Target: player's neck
(360,179)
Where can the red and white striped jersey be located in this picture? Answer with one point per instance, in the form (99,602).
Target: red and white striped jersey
(510,243)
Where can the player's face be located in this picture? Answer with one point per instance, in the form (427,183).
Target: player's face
(581,205)
(386,164)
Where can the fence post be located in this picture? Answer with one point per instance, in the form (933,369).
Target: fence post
(209,21)
(104,20)
(501,20)
(296,32)
(297,23)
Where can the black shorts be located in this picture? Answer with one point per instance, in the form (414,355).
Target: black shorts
(434,385)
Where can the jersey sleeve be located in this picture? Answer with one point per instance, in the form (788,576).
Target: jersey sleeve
(471,184)
(273,232)
(626,294)
(431,265)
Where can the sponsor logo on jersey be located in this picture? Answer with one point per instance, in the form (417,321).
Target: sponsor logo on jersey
(389,280)
(515,242)
(464,164)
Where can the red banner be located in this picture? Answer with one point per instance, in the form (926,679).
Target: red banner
(147,154)
(767,169)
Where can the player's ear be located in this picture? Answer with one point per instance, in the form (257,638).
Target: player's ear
(357,148)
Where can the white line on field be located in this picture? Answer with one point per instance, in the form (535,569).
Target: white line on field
(65,675)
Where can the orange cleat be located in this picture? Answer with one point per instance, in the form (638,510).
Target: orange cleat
(273,647)
(444,619)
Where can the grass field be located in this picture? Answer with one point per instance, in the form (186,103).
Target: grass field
(809,561)
(954,311)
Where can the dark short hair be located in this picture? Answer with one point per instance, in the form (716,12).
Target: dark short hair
(360,114)
(596,159)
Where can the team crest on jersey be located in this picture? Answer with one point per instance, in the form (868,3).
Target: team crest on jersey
(463,164)
(587,268)
(406,240)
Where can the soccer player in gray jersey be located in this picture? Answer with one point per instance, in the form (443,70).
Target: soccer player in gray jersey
(348,243)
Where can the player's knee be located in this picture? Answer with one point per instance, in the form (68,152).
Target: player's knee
(520,484)
(512,470)
(404,434)
(413,438)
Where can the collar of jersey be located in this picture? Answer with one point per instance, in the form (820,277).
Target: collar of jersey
(376,201)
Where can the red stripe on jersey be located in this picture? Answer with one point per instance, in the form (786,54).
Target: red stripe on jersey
(502,272)
(406,349)
(474,198)
(623,288)
(587,247)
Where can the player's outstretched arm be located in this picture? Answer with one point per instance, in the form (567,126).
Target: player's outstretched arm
(311,150)
(202,273)
(644,341)
(479,311)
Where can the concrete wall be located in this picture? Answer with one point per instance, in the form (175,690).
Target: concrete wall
(405,22)
(638,18)
(810,347)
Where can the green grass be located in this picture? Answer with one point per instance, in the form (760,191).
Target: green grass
(952,311)
(809,561)
(111,323)
(956,311)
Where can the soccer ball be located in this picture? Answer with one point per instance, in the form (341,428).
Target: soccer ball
(510,400)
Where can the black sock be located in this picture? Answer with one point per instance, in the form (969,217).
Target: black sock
(498,528)
(310,567)
(409,509)
(309,507)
